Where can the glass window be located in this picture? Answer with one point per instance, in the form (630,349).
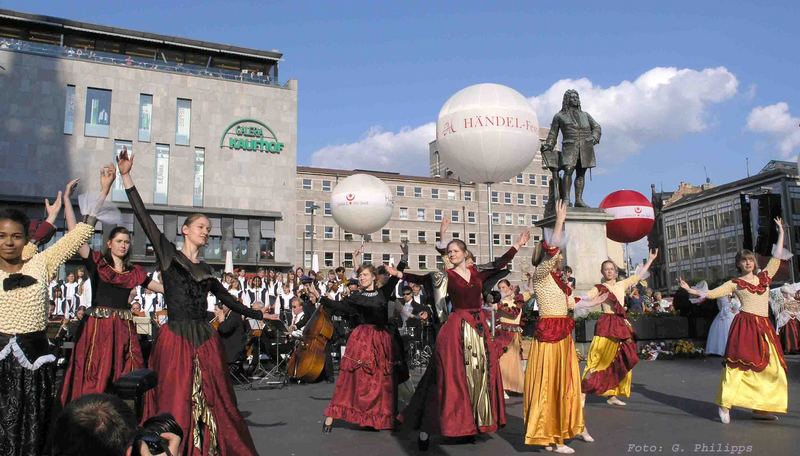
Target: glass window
(507,198)
(328,209)
(386,235)
(403,213)
(671,232)
(507,239)
(437,215)
(532,179)
(183,122)
(455,216)
(423,261)
(328,259)
(328,232)
(472,238)
(421,214)
(520,198)
(496,239)
(437,237)
(544,200)
(145,116)
(532,197)
(509,219)
(400,191)
(348,236)
(439,262)
(471,217)
(69,110)
(451,195)
(543,180)
(348,260)
(467,195)
(118,191)
(307,232)
(307,184)
(404,235)
(199,172)
(495,197)
(534,218)
(161,192)
(240,248)
(455,235)
(434,193)
(308,207)
(520,179)
(386,258)
(326,185)
(266,248)
(418,192)
(495,218)
(366,258)
(520,219)
(421,237)
(98,112)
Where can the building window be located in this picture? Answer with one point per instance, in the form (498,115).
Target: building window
(98,112)
(534,218)
(455,216)
(240,247)
(328,259)
(421,236)
(495,218)
(267,241)
(145,116)
(471,217)
(532,179)
(400,191)
(437,237)
(161,193)
(712,247)
(495,197)
(711,222)
(199,174)
(386,235)
(682,231)
(307,232)
(520,179)
(386,258)
(183,122)
(118,191)
(467,195)
(327,207)
(348,236)
(543,180)
(403,235)
(520,198)
(348,260)
(422,261)
(507,198)
(451,195)
(366,258)
(507,239)
(418,192)
(403,213)
(69,110)
(544,200)
(472,238)
(532,197)
(308,207)
(326,185)
(437,215)
(496,239)
(509,219)
(307,184)
(520,219)
(421,214)
(213,249)
(455,235)
(439,262)
(328,232)
(434,193)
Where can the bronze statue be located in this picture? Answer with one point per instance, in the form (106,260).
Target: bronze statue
(579,133)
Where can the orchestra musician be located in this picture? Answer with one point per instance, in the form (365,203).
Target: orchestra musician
(232,332)
(299,319)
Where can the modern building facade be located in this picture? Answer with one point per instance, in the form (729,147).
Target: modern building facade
(702,231)
(211,128)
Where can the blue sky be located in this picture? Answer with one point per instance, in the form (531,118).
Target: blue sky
(373,75)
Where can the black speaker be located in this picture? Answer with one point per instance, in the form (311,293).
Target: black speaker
(758,212)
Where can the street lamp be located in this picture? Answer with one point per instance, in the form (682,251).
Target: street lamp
(313,208)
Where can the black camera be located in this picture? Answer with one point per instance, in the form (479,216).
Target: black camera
(155,443)
(150,434)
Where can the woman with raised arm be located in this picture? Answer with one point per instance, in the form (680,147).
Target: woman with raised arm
(613,353)
(193,383)
(469,386)
(27,362)
(107,346)
(552,406)
(366,389)
(754,375)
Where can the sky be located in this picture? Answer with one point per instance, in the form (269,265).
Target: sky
(684,90)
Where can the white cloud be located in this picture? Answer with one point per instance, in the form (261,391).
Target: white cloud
(405,151)
(778,123)
(662,104)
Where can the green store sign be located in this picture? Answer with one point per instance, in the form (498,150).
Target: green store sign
(252,135)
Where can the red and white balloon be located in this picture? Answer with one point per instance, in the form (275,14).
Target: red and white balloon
(362,204)
(633,215)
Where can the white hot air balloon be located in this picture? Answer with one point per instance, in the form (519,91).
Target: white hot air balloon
(362,204)
(487,133)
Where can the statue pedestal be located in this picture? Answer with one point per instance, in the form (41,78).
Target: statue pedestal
(587,245)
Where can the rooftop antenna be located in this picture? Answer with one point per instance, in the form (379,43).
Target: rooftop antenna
(705,170)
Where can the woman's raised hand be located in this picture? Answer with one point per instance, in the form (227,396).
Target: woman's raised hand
(523,239)
(124,163)
(107,176)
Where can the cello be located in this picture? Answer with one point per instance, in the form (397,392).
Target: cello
(308,358)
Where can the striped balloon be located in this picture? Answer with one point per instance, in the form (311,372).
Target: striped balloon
(633,215)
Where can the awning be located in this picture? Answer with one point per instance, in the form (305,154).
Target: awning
(240,229)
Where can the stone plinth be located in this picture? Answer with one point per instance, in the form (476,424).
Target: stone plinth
(586,246)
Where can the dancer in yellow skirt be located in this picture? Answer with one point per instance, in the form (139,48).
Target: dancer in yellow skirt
(509,335)
(612,355)
(754,375)
(553,411)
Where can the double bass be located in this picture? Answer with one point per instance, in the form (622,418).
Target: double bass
(308,358)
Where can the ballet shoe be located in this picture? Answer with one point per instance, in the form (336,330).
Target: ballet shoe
(586,437)
(613,400)
(724,415)
(764,416)
(562,449)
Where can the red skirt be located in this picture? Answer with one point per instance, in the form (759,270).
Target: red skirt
(193,385)
(746,348)
(612,327)
(456,418)
(790,336)
(107,349)
(365,391)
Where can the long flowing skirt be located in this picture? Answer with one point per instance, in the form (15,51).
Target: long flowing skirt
(511,365)
(718,335)
(552,405)
(27,395)
(790,336)
(194,386)
(107,349)
(366,390)
(754,376)
(600,361)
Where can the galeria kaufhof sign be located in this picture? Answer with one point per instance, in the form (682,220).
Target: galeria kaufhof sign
(252,135)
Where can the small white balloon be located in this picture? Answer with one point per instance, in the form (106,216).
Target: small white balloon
(487,133)
(362,204)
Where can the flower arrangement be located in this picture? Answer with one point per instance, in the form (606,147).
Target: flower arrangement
(670,350)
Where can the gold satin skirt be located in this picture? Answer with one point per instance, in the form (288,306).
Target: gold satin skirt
(601,354)
(552,400)
(766,391)
(511,366)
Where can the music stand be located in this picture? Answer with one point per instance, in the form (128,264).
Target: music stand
(277,376)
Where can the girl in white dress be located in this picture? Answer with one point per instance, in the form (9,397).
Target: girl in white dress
(718,334)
